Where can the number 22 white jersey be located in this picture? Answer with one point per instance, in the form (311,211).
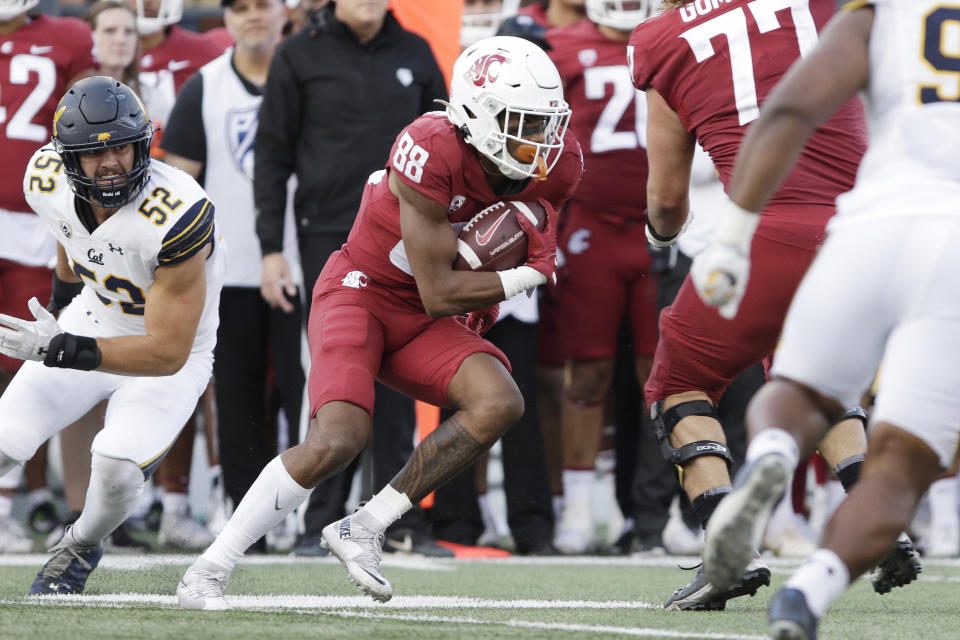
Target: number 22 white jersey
(913,162)
(169,221)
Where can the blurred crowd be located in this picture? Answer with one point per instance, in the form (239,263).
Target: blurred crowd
(582,472)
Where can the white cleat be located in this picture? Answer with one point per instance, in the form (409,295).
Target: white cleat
(575,530)
(201,587)
(183,532)
(736,528)
(359,548)
(13,539)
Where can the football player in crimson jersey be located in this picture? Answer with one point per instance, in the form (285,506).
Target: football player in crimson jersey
(171,54)
(40,56)
(604,278)
(704,85)
(384,307)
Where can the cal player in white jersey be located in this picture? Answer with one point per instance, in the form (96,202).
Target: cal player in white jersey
(140,237)
(884,285)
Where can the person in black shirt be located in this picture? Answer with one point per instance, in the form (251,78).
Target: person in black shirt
(337,94)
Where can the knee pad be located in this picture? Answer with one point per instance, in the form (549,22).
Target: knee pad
(665,421)
(117,480)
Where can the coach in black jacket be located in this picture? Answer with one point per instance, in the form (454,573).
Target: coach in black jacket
(337,94)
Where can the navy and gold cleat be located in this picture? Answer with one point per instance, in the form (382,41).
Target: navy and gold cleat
(899,567)
(68,569)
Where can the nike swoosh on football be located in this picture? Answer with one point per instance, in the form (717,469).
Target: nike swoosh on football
(484,238)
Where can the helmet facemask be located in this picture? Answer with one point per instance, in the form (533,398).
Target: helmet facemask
(109,192)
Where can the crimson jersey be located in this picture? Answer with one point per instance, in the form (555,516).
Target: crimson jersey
(431,157)
(36,63)
(164,69)
(537,11)
(715,66)
(609,117)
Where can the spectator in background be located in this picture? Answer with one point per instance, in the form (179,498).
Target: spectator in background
(170,55)
(116,46)
(332,125)
(41,56)
(482,18)
(210,133)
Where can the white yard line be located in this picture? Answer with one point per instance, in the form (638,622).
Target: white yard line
(346,607)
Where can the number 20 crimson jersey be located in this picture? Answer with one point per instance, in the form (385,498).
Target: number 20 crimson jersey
(169,221)
(431,157)
(36,63)
(714,62)
(609,118)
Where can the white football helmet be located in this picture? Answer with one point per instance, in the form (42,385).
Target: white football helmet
(623,15)
(505,92)
(477,26)
(10,9)
(169,13)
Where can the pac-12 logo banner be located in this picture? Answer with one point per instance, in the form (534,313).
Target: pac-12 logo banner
(485,69)
(241,127)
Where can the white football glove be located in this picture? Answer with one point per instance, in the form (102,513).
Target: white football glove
(720,276)
(721,271)
(26,339)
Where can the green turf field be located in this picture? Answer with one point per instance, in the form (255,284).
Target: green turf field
(585,597)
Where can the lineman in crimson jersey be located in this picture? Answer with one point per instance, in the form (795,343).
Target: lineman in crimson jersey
(703,85)
(383,306)
(170,55)
(604,278)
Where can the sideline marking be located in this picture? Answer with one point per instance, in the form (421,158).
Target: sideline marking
(320,605)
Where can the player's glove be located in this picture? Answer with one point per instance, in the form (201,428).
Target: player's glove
(658,241)
(480,321)
(542,245)
(26,339)
(721,271)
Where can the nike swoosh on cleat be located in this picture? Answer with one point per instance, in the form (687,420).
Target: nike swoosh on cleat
(484,238)
(405,546)
(377,578)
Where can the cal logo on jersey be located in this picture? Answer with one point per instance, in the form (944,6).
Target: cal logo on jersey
(241,131)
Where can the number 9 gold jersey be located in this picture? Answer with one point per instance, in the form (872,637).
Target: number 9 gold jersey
(913,163)
(169,221)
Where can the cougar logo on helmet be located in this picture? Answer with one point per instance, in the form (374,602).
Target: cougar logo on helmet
(483,70)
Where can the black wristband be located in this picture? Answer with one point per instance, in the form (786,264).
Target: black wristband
(63,292)
(67,351)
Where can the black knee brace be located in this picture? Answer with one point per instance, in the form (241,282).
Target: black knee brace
(665,421)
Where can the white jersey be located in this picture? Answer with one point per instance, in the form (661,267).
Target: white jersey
(912,164)
(230,118)
(168,222)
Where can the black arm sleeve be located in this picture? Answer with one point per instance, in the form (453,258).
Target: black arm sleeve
(184,134)
(275,146)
